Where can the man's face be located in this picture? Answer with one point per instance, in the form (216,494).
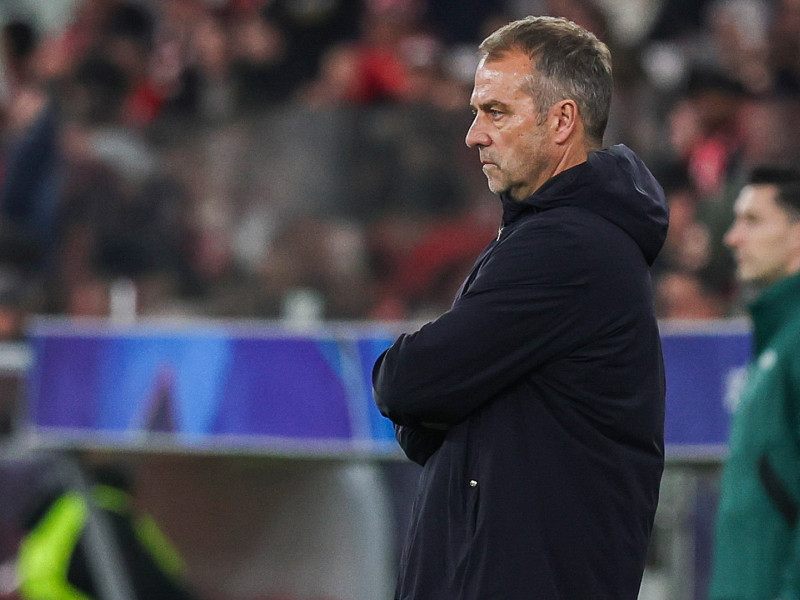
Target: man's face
(764,238)
(513,145)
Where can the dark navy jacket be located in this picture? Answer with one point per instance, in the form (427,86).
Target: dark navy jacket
(536,403)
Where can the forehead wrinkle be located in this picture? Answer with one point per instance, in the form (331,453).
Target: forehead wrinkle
(518,92)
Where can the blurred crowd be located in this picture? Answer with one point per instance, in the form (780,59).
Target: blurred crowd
(305,159)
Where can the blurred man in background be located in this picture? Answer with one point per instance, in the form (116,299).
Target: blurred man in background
(757,548)
(58,557)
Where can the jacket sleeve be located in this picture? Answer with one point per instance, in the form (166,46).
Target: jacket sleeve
(525,307)
(791,573)
(419,443)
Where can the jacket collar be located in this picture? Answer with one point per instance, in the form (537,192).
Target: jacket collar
(774,307)
(612,183)
(512,209)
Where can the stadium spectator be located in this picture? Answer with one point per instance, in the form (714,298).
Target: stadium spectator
(685,295)
(261,72)
(58,557)
(31,180)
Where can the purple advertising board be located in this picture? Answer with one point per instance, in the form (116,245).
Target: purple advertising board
(267,388)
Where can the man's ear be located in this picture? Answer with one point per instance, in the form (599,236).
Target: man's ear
(566,119)
(794,233)
(794,241)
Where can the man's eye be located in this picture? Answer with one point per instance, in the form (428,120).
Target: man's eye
(495,114)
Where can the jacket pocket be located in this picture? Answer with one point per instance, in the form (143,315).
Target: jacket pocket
(473,506)
(776,491)
(473,473)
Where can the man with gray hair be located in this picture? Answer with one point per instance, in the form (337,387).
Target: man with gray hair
(536,403)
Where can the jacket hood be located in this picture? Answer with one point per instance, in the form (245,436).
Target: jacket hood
(613,183)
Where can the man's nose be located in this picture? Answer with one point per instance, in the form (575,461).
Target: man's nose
(476,134)
(731,237)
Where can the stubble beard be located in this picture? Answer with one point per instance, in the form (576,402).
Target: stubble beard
(497,184)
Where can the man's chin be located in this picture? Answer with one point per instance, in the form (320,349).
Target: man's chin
(495,186)
(754,280)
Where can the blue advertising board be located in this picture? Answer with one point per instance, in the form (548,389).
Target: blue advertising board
(705,366)
(272,389)
(203,384)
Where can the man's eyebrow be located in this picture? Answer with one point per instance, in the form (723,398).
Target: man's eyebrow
(489,105)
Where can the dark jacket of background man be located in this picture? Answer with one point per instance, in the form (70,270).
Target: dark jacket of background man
(546,382)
